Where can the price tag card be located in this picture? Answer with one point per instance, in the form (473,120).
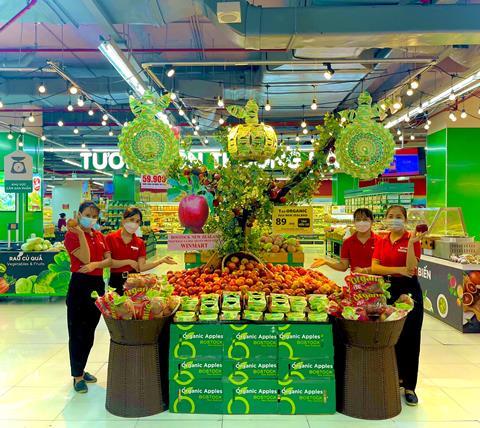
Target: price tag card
(291,220)
(152,183)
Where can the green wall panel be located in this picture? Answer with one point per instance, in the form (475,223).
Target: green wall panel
(463,174)
(436,169)
(124,188)
(341,183)
(32,221)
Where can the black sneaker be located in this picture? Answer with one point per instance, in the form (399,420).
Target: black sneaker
(411,398)
(89,378)
(80,386)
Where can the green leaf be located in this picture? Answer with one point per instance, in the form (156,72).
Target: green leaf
(209,197)
(173,183)
(195,184)
(184,181)
(173,193)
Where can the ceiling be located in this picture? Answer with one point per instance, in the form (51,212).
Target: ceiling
(277,53)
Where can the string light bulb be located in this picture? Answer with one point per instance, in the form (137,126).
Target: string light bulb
(463,114)
(42,88)
(414,84)
(104,123)
(84,146)
(452,116)
(1,103)
(73,90)
(221,121)
(195,132)
(173,96)
(181,112)
(43,137)
(305,131)
(75,131)
(171,72)
(328,74)
(426,127)
(297,139)
(397,103)
(80,101)
(303,124)
(194,120)
(90,111)
(220,102)
(70,107)
(197,127)
(399,132)
(452,96)
(429,122)
(23,129)
(407,118)
(206,140)
(10,134)
(314,104)
(60,123)
(20,144)
(383,105)
(125,124)
(409,92)
(105,116)
(31,118)
(110,132)
(412,137)
(268,107)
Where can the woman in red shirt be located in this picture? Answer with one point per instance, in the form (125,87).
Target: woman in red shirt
(396,258)
(357,250)
(89,254)
(128,250)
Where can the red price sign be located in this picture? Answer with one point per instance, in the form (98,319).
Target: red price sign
(154,183)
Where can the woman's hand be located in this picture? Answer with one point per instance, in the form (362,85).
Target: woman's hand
(404,271)
(318,263)
(89,267)
(361,270)
(77,230)
(134,265)
(417,237)
(168,260)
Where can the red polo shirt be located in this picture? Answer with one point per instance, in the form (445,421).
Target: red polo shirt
(359,254)
(98,247)
(394,254)
(121,251)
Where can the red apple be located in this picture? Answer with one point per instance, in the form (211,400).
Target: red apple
(193,212)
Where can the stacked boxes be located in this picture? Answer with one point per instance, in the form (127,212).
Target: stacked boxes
(252,369)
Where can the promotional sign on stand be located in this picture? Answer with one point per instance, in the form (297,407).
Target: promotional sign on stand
(292,220)
(18,172)
(153,183)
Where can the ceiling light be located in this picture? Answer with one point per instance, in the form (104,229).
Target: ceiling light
(314,105)
(105,116)
(399,132)
(221,121)
(70,107)
(73,90)
(205,140)
(90,111)
(60,123)
(414,84)
(104,123)
(194,120)
(23,129)
(31,118)
(303,124)
(397,103)
(452,116)
(429,122)
(110,133)
(171,72)
(305,131)
(220,102)
(118,59)
(75,131)
(426,127)
(412,137)
(70,162)
(84,146)
(197,127)
(409,92)
(181,112)
(297,138)
(463,114)
(20,144)
(80,101)
(452,96)
(42,88)
(173,96)
(43,138)
(268,107)
(125,124)
(195,132)
(329,72)
(10,135)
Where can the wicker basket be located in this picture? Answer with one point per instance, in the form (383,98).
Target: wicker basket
(240,255)
(134,383)
(366,368)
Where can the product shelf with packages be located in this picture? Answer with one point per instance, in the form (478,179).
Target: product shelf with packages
(449,269)
(34,272)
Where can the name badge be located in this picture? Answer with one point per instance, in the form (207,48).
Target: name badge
(402,249)
(134,248)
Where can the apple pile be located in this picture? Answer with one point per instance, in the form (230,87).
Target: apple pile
(248,275)
(280,244)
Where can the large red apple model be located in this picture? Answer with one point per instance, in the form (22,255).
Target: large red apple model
(193,212)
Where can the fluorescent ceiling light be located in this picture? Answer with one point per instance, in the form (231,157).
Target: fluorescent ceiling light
(459,89)
(104,173)
(71,162)
(123,66)
(98,183)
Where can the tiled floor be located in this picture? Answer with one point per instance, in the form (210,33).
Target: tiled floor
(36,392)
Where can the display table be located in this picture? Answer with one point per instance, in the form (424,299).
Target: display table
(34,273)
(252,368)
(451,292)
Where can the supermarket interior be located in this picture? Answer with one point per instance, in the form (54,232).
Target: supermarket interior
(281,210)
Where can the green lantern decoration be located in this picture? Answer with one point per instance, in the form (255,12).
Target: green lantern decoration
(364,148)
(147,144)
(251,141)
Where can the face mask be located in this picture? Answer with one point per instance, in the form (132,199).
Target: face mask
(396,224)
(362,226)
(131,227)
(96,226)
(87,222)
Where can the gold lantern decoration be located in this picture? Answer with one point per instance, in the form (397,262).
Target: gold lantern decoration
(251,141)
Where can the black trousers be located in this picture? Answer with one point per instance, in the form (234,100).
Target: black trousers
(408,346)
(82,318)
(116,281)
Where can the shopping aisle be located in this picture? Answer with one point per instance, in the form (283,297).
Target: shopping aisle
(36,390)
